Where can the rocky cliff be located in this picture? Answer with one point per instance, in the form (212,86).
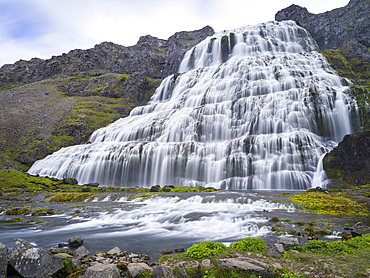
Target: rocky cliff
(48,104)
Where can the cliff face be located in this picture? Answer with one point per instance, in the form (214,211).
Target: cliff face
(48,104)
(335,28)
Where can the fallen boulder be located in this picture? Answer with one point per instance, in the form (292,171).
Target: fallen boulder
(81,252)
(32,262)
(70,181)
(276,250)
(288,242)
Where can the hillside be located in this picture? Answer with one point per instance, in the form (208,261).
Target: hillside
(48,104)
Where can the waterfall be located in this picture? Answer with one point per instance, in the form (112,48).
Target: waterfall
(251,108)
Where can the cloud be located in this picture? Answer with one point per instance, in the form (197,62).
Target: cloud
(42,28)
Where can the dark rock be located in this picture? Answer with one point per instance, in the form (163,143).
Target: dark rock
(102,271)
(163,271)
(75,241)
(92,184)
(33,262)
(360,229)
(3,260)
(349,161)
(179,250)
(81,252)
(70,181)
(136,269)
(155,188)
(247,266)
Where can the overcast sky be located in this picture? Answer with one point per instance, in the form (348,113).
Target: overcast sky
(42,28)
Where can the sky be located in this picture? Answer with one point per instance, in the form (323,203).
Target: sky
(43,28)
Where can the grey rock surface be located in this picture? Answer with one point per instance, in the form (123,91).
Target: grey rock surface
(102,271)
(3,260)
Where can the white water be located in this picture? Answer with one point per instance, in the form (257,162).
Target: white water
(254,110)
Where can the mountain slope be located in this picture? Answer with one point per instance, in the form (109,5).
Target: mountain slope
(48,104)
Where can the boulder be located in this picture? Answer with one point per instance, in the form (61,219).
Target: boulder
(3,260)
(114,251)
(102,271)
(32,262)
(75,241)
(155,188)
(360,229)
(136,269)
(288,242)
(163,271)
(81,252)
(276,250)
(247,266)
(70,181)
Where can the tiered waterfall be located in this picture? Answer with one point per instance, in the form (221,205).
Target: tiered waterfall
(251,108)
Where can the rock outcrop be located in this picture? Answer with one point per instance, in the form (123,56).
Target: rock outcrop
(3,260)
(348,163)
(334,28)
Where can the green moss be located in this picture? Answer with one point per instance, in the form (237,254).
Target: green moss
(142,195)
(70,197)
(18,211)
(43,212)
(332,203)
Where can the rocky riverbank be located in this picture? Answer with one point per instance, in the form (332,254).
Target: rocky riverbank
(249,257)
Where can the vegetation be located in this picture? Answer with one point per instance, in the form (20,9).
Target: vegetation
(250,244)
(330,203)
(205,249)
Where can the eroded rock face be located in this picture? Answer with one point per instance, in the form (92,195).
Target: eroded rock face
(32,262)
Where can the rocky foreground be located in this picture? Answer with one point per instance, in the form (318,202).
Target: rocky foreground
(206,259)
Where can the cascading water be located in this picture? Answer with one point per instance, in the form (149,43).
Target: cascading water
(253,108)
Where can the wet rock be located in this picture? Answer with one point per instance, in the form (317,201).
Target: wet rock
(276,250)
(102,271)
(247,265)
(3,260)
(70,181)
(92,184)
(75,241)
(33,262)
(288,241)
(114,251)
(155,188)
(81,252)
(360,229)
(54,250)
(136,269)
(63,256)
(163,271)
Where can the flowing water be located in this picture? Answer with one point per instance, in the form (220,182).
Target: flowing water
(253,108)
(164,221)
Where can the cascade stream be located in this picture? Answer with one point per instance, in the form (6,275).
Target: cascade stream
(251,108)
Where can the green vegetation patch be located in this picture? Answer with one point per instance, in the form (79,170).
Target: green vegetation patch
(70,197)
(205,249)
(330,203)
(320,246)
(250,244)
